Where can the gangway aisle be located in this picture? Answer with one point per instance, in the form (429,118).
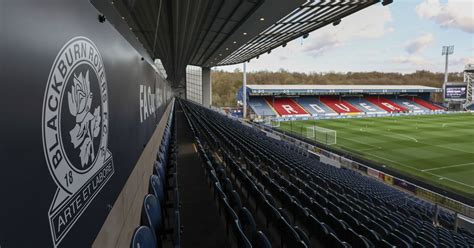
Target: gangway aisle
(202,226)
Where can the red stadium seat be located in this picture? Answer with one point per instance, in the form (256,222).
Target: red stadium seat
(424,103)
(286,107)
(340,106)
(386,104)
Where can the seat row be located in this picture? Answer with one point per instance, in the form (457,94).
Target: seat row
(289,235)
(240,223)
(160,217)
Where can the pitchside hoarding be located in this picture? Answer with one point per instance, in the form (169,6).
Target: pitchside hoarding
(78,105)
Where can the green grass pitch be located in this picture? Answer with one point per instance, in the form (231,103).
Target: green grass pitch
(438,149)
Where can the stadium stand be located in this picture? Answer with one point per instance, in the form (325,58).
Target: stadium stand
(260,106)
(307,203)
(324,101)
(161,214)
(408,104)
(425,104)
(340,106)
(286,107)
(364,105)
(386,104)
(315,107)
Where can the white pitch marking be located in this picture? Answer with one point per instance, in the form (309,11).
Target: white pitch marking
(405,136)
(449,166)
(360,142)
(369,149)
(454,181)
(445,178)
(404,165)
(409,137)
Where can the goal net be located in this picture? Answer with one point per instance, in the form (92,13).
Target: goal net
(275,123)
(322,135)
(272,123)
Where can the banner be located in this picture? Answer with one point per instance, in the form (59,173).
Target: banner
(79,104)
(373,173)
(404,185)
(388,179)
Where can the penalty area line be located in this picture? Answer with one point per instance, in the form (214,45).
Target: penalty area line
(448,166)
(427,172)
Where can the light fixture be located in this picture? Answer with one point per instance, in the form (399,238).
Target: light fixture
(262,19)
(244,33)
(226,48)
(305,36)
(235,42)
(335,23)
(284,45)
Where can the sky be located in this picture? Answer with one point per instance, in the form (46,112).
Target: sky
(404,37)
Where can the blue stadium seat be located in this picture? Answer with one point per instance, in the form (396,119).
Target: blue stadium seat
(354,209)
(157,188)
(242,240)
(303,236)
(152,214)
(247,223)
(234,200)
(143,237)
(289,237)
(261,241)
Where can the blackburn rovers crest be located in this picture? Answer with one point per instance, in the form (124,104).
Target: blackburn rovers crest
(75,131)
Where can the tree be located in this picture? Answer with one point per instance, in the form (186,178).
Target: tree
(226,84)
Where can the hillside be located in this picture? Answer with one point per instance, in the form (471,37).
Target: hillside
(226,84)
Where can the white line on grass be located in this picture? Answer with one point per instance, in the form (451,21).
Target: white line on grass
(436,175)
(409,137)
(395,162)
(406,136)
(452,149)
(360,142)
(368,149)
(449,166)
(449,179)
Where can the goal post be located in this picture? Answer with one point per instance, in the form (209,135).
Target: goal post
(275,123)
(272,123)
(322,135)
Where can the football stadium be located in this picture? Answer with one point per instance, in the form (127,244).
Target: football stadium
(114,132)
(396,127)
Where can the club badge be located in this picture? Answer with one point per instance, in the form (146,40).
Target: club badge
(75,132)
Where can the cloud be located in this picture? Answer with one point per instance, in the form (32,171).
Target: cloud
(369,23)
(418,44)
(456,14)
(323,42)
(463,61)
(413,60)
